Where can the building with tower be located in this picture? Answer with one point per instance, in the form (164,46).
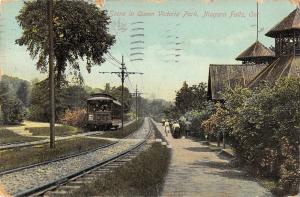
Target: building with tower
(259,63)
(287,51)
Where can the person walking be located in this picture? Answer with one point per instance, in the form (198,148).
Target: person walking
(188,127)
(176,130)
(167,127)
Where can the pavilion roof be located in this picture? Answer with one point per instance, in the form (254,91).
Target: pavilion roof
(230,75)
(256,50)
(288,24)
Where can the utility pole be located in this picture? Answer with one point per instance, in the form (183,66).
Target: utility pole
(257,21)
(123,80)
(137,94)
(122,74)
(51,74)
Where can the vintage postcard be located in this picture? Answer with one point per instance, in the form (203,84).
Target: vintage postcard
(195,98)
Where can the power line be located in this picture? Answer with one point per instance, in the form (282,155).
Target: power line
(137,95)
(122,74)
(115,59)
(110,60)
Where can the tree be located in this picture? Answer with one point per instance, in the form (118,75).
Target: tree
(80,32)
(191,98)
(262,125)
(116,92)
(13,111)
(183,99)
(75,96)
(40,107)
(107,88)
(23,93)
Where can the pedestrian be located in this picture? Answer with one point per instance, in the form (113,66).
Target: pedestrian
(167,127)
(176,130)
(188,128)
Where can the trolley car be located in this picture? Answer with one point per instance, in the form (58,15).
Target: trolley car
(103,112)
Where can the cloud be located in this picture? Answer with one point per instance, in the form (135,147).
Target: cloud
(229,41)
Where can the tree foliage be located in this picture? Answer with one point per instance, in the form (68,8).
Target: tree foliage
(116,92)
(23,93)
(263,126)
(12,109)
(190,98)
(80,33)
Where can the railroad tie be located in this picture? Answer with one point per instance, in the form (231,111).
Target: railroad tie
(68,187)
(86,179)
(80,183)
(55,193)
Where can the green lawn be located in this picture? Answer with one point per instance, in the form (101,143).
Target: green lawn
(30,155)
(59,130)
(129,129)
(7,137)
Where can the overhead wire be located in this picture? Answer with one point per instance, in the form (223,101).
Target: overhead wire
(111,62)
(114,58)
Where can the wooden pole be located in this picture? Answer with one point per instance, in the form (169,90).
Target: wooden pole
(123,79)
(257,22)
(51,75)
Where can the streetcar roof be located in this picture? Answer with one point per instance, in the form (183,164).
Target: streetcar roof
(104,99)
(117,103)
(100,99)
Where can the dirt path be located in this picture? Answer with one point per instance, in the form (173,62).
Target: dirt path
(197,171)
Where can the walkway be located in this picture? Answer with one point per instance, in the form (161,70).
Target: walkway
(197,171)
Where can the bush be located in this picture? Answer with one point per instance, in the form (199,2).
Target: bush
(198,117)
(266,132)
(12,111)
(75,118)
(261,125)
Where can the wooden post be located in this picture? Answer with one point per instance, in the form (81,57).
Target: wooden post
(51,75)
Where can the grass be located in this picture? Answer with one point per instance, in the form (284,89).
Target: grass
(59,130)
(142,176)
(129,129)
(157,133)
(30,155)
(8,137)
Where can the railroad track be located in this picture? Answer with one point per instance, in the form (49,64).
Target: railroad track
(119,158)
(63,157)
(56,160)
(23,144)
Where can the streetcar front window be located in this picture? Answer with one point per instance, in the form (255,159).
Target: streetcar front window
(99,106)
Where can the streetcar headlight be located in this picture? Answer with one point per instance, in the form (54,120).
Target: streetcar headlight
(91,117)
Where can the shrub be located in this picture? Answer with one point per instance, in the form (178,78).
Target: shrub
(76,118)
(216,123)
(261,125)
(266,130)
(12,111)
(198,117)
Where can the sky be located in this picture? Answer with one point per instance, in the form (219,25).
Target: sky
(179,39)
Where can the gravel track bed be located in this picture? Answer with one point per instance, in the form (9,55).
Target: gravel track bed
(17,182)
(143,131)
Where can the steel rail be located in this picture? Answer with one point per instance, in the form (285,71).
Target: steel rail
(56,160)
(3,147)
(63,157)
(54,184)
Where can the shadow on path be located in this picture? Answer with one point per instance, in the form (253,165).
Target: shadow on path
(223,169)
(199,149)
